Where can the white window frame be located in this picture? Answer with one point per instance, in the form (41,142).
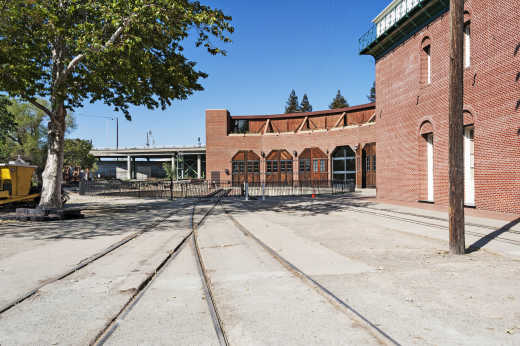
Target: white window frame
(430,166)
(467,44)
(428,51)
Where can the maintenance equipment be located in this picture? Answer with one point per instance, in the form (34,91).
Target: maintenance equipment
(15,182)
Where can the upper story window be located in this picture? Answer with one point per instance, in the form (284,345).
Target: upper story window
(427,51)
(467,44)
(240,126)
(426,62)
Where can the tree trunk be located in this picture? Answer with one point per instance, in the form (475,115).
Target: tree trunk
(52,175)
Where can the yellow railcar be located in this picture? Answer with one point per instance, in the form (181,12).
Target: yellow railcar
(15,182)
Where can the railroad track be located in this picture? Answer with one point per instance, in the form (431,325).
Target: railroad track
(113,324)
(85,262)
(308,279)
(387,214)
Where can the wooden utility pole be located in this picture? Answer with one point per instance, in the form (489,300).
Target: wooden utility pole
(456,123)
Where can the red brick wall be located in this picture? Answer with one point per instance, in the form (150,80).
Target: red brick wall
(221,146)
(492,95)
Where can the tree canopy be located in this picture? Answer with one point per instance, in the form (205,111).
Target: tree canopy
(7,123)
(339,101)
(121,53)
(305,106)
(292,105)
(76,152)
(372,96)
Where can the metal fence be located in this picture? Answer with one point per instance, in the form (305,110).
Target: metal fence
(202,189)
(147,189)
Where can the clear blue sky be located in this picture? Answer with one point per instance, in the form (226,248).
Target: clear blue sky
(278,45)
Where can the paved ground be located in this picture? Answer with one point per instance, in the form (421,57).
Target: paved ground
(387,263)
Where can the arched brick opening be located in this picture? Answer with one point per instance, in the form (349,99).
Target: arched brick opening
(245,166)
(279,167)
(313,166)
(425,161)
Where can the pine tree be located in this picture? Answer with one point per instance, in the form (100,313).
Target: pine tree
(305,106)
(339,101)
(372,96)
(292,103)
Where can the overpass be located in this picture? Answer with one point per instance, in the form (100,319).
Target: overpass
(147,162)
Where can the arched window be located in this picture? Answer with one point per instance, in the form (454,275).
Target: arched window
(344,164)
(313,165)
(245,167)
(426,61)
(279,167)
(467,39)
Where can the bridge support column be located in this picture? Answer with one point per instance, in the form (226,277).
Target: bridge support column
(199,167)
(128,167)
(174,168)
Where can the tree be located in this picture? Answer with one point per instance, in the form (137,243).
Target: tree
(27,136)
(7,123)
(76,152)
(372,96)
(292,103)
(339,101)
(305,106)
(119,52)
(168,169)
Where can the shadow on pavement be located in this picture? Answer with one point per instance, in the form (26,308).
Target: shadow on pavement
(479,244)
(101,219)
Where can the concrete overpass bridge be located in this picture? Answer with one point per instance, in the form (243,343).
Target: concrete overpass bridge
(148,162)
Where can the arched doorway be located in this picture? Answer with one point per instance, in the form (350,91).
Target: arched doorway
(344,164)
(245,167)
(426,162)
(279,167)
(313,166)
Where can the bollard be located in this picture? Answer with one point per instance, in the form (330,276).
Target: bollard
(246,188)
(82,187)
(263,191)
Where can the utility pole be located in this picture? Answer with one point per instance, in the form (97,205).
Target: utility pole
(117,133)
(456,124)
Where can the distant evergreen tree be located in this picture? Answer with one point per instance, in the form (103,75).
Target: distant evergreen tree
(292,103)
(372,96)
(305,106)
(339,101)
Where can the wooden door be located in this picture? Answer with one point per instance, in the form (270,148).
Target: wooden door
(279,167)
(313,166)
(369,165)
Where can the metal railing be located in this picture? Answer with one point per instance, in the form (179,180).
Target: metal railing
(401,11)
(148,189)
(166,189)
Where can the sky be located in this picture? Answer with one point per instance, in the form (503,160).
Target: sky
(278,45)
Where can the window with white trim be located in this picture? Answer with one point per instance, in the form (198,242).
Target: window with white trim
(467,44)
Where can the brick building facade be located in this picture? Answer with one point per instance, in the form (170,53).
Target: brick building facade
(410,43)
(325,145)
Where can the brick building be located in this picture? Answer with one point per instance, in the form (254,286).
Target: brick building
(317,146)
(410,44)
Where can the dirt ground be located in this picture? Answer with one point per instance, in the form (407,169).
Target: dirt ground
(409,285)
(387,263)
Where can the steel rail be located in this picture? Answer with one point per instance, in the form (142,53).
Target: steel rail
(435,225)
(85,262)
(114,323)
(208,291)
(307,277)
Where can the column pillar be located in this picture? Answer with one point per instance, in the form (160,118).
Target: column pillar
(199,165)
(174,168)
(128,167)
